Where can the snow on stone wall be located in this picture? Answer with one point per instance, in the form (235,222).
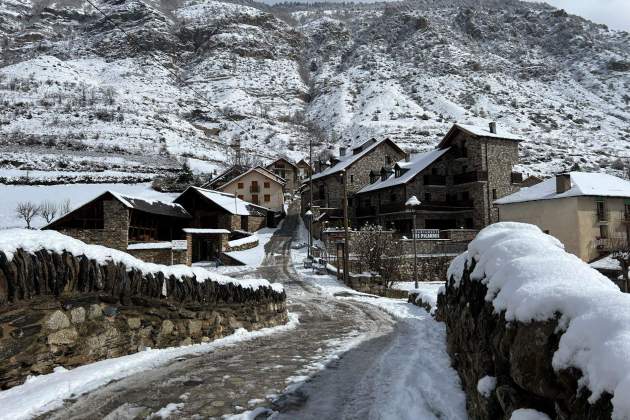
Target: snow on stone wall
(576,319)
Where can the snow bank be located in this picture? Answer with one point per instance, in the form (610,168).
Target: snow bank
(47,392)
(528,414)
(530,277)
(33,241)
(246,240)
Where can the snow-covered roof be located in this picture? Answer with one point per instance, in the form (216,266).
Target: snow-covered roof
(150,245)
(417,164)
(201,231)
(606,263)
(158,207)
(346,161)
(264,172)
(582,184)
(229,202)
(485,132)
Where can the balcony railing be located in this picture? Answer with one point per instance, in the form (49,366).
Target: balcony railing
(434,180)
(469,177)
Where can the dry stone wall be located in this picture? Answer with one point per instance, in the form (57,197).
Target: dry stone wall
(519,355)
(64,310)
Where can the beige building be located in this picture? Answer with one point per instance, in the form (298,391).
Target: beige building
(588,212)
(258,186)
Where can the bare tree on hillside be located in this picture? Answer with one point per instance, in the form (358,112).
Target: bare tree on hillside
(27,211)
(48,210)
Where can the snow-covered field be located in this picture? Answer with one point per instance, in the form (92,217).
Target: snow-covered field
(43,393)
(11,195)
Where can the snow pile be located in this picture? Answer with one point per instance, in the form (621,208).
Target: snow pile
(33,241)
(528,414)
(530,277)
(486,385)
(246,240)
(48,392)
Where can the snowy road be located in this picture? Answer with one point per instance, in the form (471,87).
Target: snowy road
(386,360)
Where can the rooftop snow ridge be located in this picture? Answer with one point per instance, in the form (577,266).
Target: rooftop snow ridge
(34,240)
(529,277)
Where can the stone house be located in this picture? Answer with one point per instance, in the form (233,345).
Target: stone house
(588,212)
(303,171)
(456,183)
(286,170)
(143,228)
(258,186)
(369,156)
(224,177)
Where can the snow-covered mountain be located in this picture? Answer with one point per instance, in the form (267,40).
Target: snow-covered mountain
(79,94)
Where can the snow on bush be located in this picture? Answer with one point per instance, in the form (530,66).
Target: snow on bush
(530,277)
(486,385)
(34,240)
(528,414)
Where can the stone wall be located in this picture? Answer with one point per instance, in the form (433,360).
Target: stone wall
(162,256)
(519,355)
(62,310)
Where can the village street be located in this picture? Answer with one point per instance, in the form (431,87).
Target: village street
(267,375)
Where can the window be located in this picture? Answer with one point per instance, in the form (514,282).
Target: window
(393,197)
(267,198)
(240,196)
(601,210)
(267,185)
(494,194)
(546,231)
(322,192)
(254,188)
(427,196)
(351,179)
(240,186)
(465,196)
(626,211)
(255,198)
(388,159)
(603,231)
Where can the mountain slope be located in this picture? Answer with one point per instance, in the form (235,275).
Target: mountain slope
(189,77)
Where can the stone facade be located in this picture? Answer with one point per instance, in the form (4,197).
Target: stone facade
(287,170)
(519,355)
(328,191)
(115,232)
(161,256)
(62,310)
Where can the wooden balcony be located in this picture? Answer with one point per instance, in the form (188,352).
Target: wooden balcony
(469,177)
(434,180)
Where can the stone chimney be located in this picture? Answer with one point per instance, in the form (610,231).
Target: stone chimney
(563,183)
(493,127)
(342,151)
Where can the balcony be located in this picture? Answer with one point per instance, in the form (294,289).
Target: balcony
(366,211)
(469,177)
(434,180)
(602,216)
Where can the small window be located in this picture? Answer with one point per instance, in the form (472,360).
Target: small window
(267,198)
(388,159)
(603,231)
(240,196)
(255,198)
(546,231)
(427,196)
(351,179)
(494,194)
(267,185)
(241,185)
(601,210)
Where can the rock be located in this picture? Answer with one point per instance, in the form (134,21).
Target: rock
(234,323)
(167,327)
(194,327)
(57,320)
(134,323)
(95,312)
(186,342)
(110,311)
(77,315)
(65,336)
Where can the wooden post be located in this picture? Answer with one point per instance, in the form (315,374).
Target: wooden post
(310,200)
(415,253)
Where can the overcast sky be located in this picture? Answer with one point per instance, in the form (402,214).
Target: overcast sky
(614,13)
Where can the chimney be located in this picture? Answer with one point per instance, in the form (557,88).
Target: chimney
(493,127)
(407,157)
(563,183)
(342,151)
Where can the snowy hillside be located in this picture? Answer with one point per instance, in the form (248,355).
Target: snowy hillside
(78,95)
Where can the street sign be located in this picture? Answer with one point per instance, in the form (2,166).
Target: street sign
(427,233)
(180,244)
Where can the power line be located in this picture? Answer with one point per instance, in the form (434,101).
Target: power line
(171,72)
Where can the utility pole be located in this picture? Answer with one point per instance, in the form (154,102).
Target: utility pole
(310,192)
(346,245)
(411,204)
